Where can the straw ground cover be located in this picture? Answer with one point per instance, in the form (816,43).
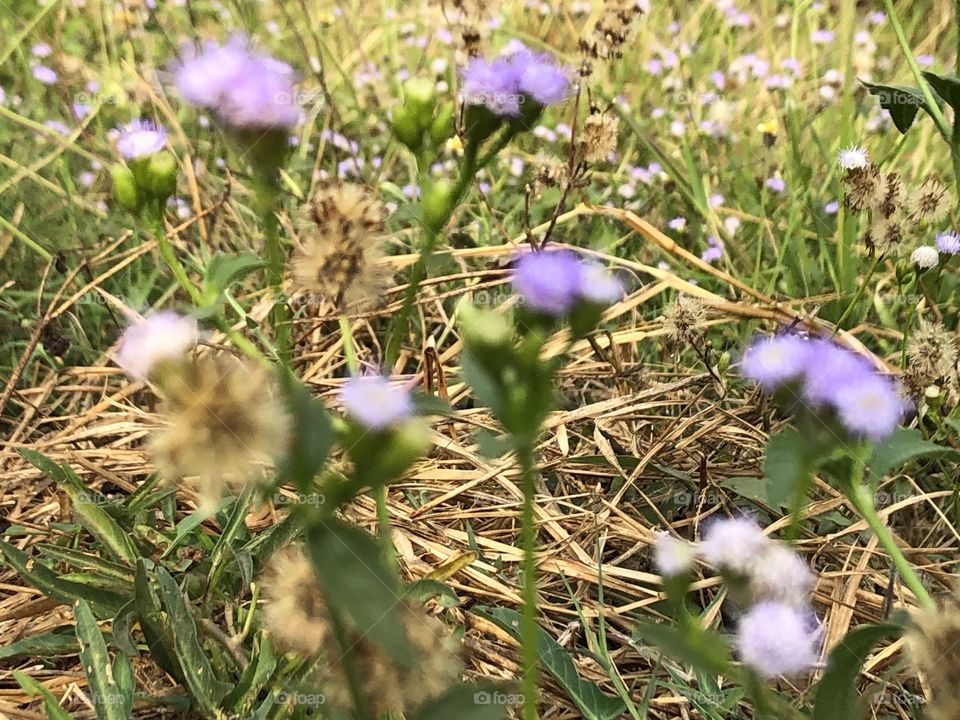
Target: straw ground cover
(781,171)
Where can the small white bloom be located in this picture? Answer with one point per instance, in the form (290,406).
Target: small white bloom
(673,556)
(157,338)
(780,574)
(925,257)
(733,544)
(776,639)
(853,158)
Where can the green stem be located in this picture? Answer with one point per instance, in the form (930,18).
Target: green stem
(928,97)
(173,262)
(862,498)
(529,629)
(858,294)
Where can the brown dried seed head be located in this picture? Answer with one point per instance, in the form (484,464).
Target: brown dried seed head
(598,137)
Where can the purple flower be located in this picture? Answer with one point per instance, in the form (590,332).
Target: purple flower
(733,544)
(140,138)
(376,403)
(776,639)
(540,77)
(549,281)
(770,362)
(776,184)
(829,368)
(831,207)
(44,74)
(41,50)
(948,242)
(712,253)
(243,88)
(870,407)
(160,337)
(493,84)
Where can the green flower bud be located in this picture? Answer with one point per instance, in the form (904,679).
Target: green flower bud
(382,457)
(125,188)
(162,176)
(407,129)
(485,330)
(441,128)
(723,363)
(418,94)
(437,204)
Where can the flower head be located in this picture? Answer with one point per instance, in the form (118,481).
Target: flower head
(158,338)
(598,285)
(853,158)
(777,639)
(540,77)
(925,257)
(830,367)
(673,556)
(243,88)
(773,361)
(549,281)
(948,242)
(871,407)
(493,84)
(375,402)
(733,544)
(44,74)
(140,138)
(780,574)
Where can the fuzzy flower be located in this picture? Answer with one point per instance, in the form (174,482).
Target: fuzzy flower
(140,138)
(948,242)
(598,285)
(925,257)
(934,644)
(930,202)
(733,544)
(158,338)
(853,158)
(294,611)
(550,281)
(871,407)
(243,88)
(683,320)
(376,403)
(776,183)
(598,137)
(494,84)
(770,362)
(780,574)
(539,77)
(673,556)
(777,639)
(44,74)
(830,367)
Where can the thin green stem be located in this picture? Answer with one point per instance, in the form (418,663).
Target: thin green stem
(859,293)
(173,262)
(528,623)
(862,498)
(280,312)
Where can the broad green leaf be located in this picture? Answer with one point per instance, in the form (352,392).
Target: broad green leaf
(787,466)
(757,489)
(51,585)
(484,387)
(53,643)
(484,701)
(492,446)
(204,685)
(312,440)
(904,445)
(902,102)
(946,86)
(255,676)
(122,627)
(85,561)
(156,630)
(701,649)
(425,589)
(50,704)
(588,697)
(357,583)
(836,693)
(227,268)
(112,696)
(233,527)
(194,520)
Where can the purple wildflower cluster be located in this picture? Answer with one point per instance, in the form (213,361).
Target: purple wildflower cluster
(828,376)
(503,84)
(375,403)
(140,138)
(555,281)
(778,635)
(246,90)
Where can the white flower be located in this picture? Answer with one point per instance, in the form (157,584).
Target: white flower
(673,556)
(780,574)
(776,639)
(158,338)
(375,402)
(853,158)
(925,257)
(733,544)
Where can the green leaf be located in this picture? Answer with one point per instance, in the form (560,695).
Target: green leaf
(227,268)
(589,699)
(836,693)
(904,445)
(153,624)
(122,627)
(484,701)
(946,86)
(53,643)
(50,704)
(86,507)
(358,583)
(255,676)
(419,591)
(51,585)
(484,387)
(787,465)
(204,685)
(902,102)
(758,489)
(492,446)
(194,520)
(701,649)
(313,436)
(112,695)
